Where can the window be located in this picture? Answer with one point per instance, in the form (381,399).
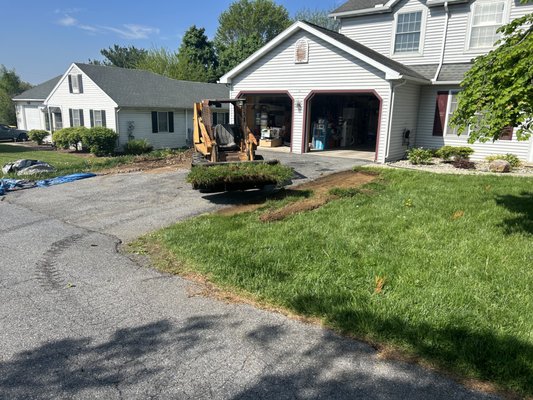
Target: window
(220,118)
(452,106)
(75,84)
(97,118)
(162,121)
(76,117)
(487,17)
(408,28)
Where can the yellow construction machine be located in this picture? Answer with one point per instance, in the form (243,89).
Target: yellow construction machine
(222,142)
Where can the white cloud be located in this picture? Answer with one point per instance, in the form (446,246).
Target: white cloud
(133,31)
(67,20)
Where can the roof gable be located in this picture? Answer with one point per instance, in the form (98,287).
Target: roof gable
(39,92)
(391,68)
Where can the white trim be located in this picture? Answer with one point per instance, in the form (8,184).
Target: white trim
(226,78)
(505,20)
(28,100)
(446,83)
(448,106)
(423,23)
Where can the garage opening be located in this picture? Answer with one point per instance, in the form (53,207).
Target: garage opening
(343,121)
(269,117)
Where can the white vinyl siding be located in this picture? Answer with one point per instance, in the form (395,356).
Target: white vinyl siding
(404,117)
(93,98)
(141,121)
(329,69)
(425,138)
(487,17)
(408,30)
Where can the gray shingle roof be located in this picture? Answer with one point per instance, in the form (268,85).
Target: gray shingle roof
(427,70)
(39,92)
(143,89)
(453,72)
(355,5)
(394,65)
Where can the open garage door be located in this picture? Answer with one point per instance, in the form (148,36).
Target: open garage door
(270,117)
(346,121)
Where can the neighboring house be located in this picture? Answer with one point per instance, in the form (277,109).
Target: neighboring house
(29,106)
(387,81)
(136,104)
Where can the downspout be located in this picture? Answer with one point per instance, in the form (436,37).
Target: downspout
(391,110)
(117,125)
(437,73)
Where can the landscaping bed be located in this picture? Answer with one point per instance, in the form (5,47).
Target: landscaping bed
(437,165)
(436,268)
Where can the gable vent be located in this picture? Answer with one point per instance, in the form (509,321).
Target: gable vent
(301,52)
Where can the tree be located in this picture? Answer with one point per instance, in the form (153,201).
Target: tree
(196,57)
(161,61)
(318,17)
(118,56)
(10,86)
(498,89)
(246,26)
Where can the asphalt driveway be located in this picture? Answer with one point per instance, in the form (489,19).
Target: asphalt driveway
(81,320)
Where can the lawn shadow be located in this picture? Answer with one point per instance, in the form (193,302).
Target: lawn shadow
(522,207)
(250,197)
(502,359)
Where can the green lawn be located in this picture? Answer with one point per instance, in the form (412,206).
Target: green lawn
(455,253)
(68,163)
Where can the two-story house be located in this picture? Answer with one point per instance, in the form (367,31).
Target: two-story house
(387,81)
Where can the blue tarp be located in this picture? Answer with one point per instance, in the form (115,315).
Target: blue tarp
(13,184)
(64,179)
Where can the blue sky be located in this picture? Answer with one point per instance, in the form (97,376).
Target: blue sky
(40,39)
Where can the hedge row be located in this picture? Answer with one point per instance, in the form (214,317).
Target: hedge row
(99,141)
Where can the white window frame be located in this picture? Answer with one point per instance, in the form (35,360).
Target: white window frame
(159,130)
(505,20)
(76,121)
(448,109)
(75,83)
(98,121)
(423,20)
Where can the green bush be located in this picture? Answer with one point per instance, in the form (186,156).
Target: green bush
(100,141)
(419,155)
(510,158)
(38,135)
(69,137)
(137,147)
(453,152)
(243,172)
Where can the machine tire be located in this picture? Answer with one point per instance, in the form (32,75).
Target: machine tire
(258,157)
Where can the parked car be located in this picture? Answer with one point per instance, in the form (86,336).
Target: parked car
(16,135)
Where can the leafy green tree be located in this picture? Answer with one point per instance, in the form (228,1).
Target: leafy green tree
(196,57)
(161,61)
(318,17)
(246,26)
(121,56)
(10,86)
(498,89)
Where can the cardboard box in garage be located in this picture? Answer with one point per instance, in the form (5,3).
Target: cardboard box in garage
(270,142)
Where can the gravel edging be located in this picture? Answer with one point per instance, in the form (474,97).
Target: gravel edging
(440,167)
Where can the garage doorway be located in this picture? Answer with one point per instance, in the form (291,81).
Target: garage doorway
(343,121)
(269,116)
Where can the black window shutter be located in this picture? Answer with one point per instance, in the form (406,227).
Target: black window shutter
(70,83)
(91,114)
(171,121)
(81,118)
(154,122)
(70,116)
(103,119)
(80,84)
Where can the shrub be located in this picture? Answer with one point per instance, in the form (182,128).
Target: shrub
(510,158)
(100,141)
(38,135)
(452,152)
(419,155)
(69,137)
(137,147)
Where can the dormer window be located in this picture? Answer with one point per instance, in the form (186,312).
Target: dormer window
(487,17)
(75,83)
(408,29)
